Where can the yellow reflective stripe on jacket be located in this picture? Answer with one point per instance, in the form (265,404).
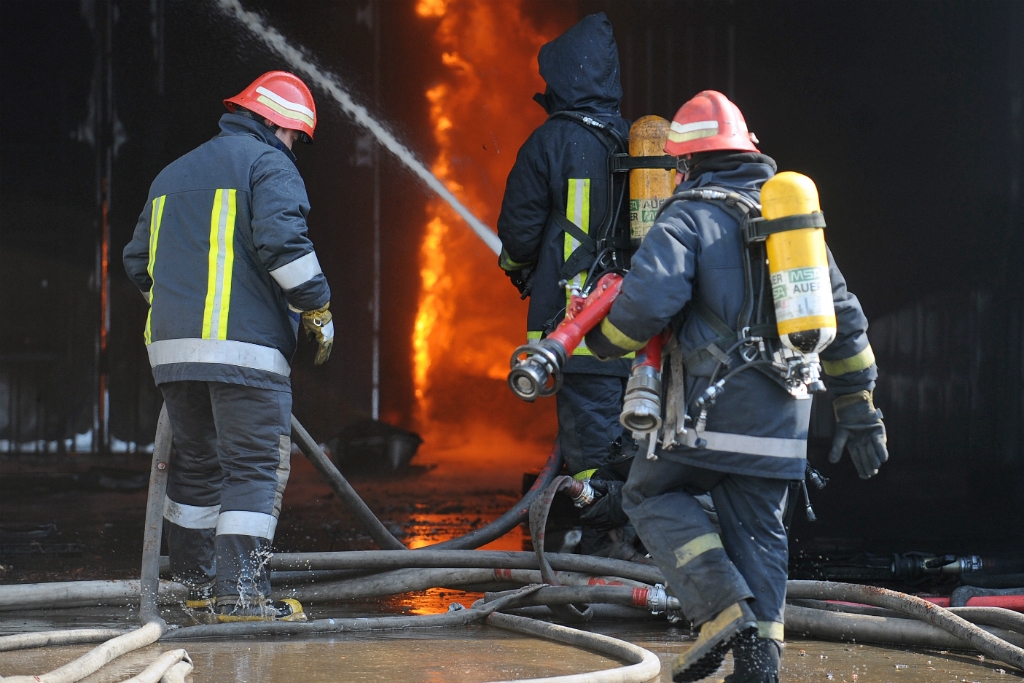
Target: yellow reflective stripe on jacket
(863,360)
(577,210)
(698,546)
(221,263)
(616,337)
(584,475)
(156,213)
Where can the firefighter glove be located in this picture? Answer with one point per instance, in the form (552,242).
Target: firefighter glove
(522,279)
(320,327)
(859,428)
(606,512)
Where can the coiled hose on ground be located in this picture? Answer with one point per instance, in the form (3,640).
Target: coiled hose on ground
(397,570)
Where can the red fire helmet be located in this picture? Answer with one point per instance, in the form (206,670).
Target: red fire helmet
(282,98)
(709,122)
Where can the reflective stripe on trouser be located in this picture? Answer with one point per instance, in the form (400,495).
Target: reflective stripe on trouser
(706,570)
(232,450)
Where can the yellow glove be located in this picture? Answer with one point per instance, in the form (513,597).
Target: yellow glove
(319,325)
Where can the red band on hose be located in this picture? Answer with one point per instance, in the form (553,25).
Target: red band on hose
(640,597)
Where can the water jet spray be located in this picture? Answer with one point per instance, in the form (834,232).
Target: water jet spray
(331,84)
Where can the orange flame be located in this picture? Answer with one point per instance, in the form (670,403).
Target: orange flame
(469,318)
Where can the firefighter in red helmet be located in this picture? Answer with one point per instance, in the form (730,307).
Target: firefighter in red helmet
(222,257)
(694,270)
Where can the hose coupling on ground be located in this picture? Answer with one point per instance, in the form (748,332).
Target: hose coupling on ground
(657,599)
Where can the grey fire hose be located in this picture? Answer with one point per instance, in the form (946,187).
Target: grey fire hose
(515,515)
(149,581)
(914,607)
(378,532)
(645,665)
(456,617)
(539,510)
(866,628)
(511,559)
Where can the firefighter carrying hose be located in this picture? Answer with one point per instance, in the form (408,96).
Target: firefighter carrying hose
(745,449)
(561,213)
(221,255)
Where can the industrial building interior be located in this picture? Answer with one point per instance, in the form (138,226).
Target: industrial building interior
(908,115)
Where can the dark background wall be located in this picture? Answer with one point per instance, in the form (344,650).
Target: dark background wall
(908,115)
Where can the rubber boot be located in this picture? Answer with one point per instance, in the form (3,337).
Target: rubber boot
(288,609)
(757,660)
(201,603)
(717,636)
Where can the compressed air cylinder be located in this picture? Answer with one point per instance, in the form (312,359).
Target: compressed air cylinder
(648,187)
(798,265)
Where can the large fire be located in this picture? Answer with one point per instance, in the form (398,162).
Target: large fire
(469,318)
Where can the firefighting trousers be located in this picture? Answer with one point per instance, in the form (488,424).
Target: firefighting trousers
(706,570)
(231,461)
(588,418)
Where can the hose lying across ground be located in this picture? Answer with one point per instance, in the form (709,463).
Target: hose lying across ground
(570,580)
(911,606)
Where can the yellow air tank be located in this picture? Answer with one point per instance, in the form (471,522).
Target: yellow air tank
(648,187)
(798,263)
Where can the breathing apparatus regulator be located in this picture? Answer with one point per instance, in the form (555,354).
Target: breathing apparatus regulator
(536,367)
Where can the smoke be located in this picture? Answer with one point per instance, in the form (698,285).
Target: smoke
(331,84)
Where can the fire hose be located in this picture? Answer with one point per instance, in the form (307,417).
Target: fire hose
(504,565)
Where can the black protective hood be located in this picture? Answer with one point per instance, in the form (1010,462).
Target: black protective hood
(581,69)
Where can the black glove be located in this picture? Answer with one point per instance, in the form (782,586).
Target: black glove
(859,427)
(606,512)
(522,279)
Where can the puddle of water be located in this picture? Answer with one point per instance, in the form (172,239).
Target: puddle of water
(427,529)
(470,653)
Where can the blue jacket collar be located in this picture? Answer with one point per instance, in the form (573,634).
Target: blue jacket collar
(233,124)
(750,171)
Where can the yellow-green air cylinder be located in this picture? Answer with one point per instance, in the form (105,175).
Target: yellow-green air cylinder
(798,265)
(648,187)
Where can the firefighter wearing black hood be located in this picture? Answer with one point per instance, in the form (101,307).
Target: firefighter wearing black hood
(689,272)
(556,203)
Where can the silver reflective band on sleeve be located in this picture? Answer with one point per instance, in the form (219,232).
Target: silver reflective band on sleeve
(299,271)
(752,445)
(247,524)
(225,351)
(191,516)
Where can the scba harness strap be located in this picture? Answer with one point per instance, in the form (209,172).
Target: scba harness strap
(592,245)
(746,212)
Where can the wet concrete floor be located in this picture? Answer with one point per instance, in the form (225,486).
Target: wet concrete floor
(438,500)
(468,654)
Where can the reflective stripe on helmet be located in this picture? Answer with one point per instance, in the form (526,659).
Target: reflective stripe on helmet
(680,132)
(224,352)
(156,214)
(292,110)
(221,265)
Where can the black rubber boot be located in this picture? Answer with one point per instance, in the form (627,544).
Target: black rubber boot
(716,638)
(757,660)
